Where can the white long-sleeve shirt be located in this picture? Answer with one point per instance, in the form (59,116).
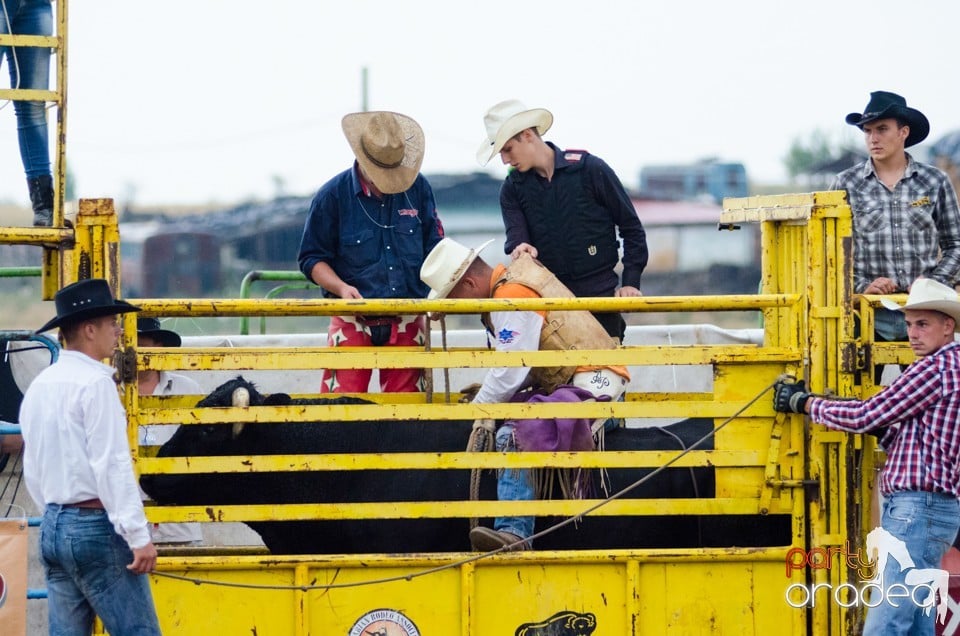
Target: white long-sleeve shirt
(75,443)
(512,331)
(170,384)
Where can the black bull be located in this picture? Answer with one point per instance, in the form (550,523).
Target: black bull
(431,535)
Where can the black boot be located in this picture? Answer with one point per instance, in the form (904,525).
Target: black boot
(41,196)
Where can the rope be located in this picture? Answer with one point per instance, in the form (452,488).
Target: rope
(481,440)
(485,555)
(446,371)
(428,373)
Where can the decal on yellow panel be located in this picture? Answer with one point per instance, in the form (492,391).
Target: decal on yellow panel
(384,622)
(565,623)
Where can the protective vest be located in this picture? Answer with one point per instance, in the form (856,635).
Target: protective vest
(562,330)
(574,235)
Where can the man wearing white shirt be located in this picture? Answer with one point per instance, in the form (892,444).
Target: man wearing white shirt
(452,270)
(94,539)
(151,382)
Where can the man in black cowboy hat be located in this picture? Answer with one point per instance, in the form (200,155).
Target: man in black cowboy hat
(94,539)
(906,221)
(366,235)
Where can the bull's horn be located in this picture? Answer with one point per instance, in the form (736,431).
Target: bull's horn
(241,397)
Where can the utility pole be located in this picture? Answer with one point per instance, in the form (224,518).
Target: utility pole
(364,103)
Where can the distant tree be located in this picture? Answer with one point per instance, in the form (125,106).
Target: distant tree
(804,154)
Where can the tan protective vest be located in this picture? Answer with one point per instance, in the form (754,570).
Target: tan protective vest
(562,330)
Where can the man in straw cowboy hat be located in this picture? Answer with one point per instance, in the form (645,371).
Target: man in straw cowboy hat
(564,207)
(366,235)
(916,419)
(906,221)
(454,271)
(153,382)
(94,540)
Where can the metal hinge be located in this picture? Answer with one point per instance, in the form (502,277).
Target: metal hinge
(126,364)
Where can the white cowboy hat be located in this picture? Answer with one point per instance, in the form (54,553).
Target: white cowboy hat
(505,120)
(388,146)
(926,293)
(446,264)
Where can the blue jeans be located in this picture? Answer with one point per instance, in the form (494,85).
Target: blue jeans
(85,562)
(513,485)
(927,523)
(29,68)
(889,326)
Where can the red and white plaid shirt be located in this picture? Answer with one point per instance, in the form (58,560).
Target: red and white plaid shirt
(922,411)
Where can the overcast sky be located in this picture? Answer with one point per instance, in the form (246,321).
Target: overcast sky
(214,101)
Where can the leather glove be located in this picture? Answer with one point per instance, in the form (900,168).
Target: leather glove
(790,397)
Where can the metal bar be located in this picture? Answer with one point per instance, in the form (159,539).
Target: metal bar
(243,358)
(36,41)
(276,291)
(29,95)
(43,236)
(19,272)
(440,461)
(567,557)
(263,274)
(220,307)
(444,412)
(450,509)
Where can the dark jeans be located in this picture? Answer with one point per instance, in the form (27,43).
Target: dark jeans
(888,326)
(613,324)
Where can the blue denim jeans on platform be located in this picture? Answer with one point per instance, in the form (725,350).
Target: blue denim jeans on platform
(85,562)
(29,68)
(513,485)
(927,523)
(889,326)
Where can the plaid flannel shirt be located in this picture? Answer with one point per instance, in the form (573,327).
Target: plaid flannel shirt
(910,232)
(923,408)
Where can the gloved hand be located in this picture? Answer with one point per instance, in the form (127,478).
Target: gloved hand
(469,392)
(790,397)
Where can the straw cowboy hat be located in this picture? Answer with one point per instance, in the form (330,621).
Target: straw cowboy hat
(83,300)
(446,264)
(388,146)
(884,105)
(931,295)
(505,120)
(151,327)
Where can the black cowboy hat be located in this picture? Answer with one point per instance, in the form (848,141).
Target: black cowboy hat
(151,327)
(884,105)
(83,300)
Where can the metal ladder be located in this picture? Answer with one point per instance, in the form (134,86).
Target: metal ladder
(59,238)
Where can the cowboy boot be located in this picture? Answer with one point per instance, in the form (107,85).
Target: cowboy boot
(41,196)
(484,539)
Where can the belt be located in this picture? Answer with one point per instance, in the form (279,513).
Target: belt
(379,321)
(89,503)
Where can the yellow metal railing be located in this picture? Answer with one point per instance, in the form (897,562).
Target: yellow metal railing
(724,358)
(763,463)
